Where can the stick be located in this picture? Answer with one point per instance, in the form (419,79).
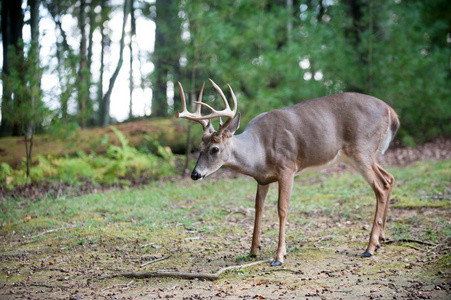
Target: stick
(154,261)
(184,275)
(118,285)
(409,241)
(49,231)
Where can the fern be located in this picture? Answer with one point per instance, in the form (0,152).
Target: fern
(116,167)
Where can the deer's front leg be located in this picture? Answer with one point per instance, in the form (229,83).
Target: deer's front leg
(285,188)
(262,191)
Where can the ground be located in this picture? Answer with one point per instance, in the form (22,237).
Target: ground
(65,247)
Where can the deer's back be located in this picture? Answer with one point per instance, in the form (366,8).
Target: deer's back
(313,131)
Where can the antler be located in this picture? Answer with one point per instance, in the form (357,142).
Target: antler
(227,112)
(185,114)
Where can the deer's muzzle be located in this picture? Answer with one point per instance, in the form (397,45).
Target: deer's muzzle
(195,175)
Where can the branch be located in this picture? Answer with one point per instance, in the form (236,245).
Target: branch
(409,241)
(184,275)
(154,261)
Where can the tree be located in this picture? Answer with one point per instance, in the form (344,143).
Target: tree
(106,98)
(167,54)
(83,71)
(130,47)
(12,24)
(104,9)
(68,61)
(24,80)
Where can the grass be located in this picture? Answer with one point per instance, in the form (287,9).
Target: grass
(206,225)
(167,204)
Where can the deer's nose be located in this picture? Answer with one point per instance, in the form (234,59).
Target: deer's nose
(195,175)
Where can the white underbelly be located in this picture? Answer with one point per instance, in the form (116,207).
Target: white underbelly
(338,158)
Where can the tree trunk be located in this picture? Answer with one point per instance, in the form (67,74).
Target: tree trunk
(92,27)
(131,84)
(166,55)
(130,46)
(82,72)
(107,96)
(104,17)
(33,58)
(12,24)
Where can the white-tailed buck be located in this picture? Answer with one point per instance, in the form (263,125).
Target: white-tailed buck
(303,138)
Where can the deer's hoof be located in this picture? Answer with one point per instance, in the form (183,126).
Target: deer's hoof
(275,263)
(366,254)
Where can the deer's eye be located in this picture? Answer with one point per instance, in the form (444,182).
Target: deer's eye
(214,150)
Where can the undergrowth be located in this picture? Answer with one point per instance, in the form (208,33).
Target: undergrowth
(118,165)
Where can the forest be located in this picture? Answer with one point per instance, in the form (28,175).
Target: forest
(274,54)
(71,65)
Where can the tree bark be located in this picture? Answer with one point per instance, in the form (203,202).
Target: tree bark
(33,58)
(12,24)
(82,73)
(166,55)
(104,17)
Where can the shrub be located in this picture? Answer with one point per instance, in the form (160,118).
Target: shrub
(118,165)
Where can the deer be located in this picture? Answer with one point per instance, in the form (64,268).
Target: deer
(306,137)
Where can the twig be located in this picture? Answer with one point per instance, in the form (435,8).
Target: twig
(244,211)
(154,261)
(42,285)
(49,231)
(285,270)
(184,275)
(437,197)
(415,248)
(409,241)
(118,285)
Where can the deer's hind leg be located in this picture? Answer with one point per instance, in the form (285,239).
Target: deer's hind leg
(382,183)
(389,181)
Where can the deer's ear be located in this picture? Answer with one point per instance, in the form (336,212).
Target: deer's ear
(235,124)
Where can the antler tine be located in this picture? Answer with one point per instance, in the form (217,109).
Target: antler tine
(199,100)
(227,112)
(182,96)
(186,114)
(220,93)
(235,102)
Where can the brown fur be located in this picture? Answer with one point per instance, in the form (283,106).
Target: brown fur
(279,144)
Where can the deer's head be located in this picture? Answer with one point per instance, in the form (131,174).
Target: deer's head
(214,150)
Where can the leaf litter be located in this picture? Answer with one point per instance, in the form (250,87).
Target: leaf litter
(323,258)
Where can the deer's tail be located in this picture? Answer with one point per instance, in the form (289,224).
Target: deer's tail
(393,126)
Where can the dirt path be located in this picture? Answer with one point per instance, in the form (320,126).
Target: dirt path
(324,266)
(323,255)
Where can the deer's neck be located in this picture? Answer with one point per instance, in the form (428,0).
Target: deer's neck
(246,155)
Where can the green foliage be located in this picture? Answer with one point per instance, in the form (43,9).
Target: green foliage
(63,130)
(24,106)
(119,165)
(389,49)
